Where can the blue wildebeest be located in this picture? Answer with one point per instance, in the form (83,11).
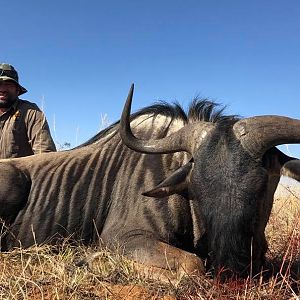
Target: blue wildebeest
(197,186)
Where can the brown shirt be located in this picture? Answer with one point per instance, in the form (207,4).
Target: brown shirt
(24,131)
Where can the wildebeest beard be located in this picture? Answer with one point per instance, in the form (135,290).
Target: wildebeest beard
(230,190)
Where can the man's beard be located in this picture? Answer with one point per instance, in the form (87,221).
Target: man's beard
(8,102)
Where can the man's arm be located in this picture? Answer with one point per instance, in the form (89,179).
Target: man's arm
(38,132)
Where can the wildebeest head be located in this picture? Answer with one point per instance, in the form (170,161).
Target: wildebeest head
(230,180)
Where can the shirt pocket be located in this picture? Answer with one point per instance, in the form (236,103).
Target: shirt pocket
(13,137)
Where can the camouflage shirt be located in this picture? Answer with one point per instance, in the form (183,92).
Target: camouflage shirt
(24,131)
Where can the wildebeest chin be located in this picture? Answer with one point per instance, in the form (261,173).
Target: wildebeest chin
(171,189)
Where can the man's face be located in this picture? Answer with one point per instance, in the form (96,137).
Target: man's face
(9,92)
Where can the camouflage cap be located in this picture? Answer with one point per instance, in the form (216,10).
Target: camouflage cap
(8,72)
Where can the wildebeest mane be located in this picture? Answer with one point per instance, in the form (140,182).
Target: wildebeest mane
(199,110)
(209,111)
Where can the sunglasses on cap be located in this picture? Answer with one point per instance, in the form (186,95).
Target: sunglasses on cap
(9,73)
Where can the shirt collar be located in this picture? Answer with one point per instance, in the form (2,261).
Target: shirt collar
(15,104)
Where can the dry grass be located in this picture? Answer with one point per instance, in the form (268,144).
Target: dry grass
(50,273)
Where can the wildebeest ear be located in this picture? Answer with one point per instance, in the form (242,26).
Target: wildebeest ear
(291,169)
(176,183)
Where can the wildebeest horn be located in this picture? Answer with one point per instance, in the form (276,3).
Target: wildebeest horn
(186,139)
(258,134)
(175,183)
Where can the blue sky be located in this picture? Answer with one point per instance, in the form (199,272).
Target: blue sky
(78,58)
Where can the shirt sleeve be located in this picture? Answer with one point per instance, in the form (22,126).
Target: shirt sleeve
(38,132)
